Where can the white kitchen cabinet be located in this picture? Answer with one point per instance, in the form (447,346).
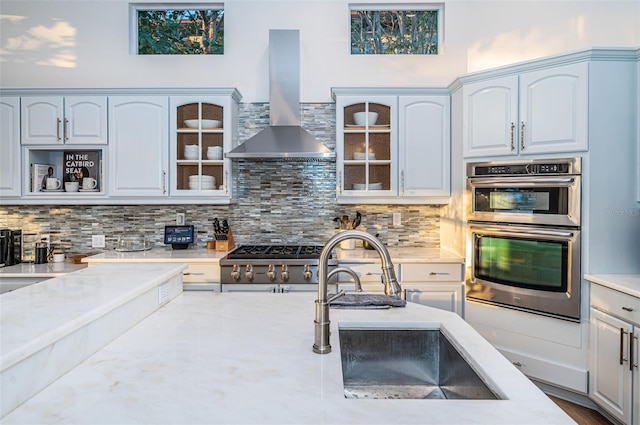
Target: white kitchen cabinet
(537,112)
(9,146)
(439,285)
(614,351)
(191,175)
(402,158)
(70,120)
(138,146)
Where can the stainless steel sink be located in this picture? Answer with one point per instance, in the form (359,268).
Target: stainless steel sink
(380,363)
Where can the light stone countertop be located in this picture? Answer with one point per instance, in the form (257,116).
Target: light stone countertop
(627,283)
(160,255)
(399,255)
(225,358)
(46,270)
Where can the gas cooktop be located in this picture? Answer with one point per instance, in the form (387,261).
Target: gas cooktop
(278,252)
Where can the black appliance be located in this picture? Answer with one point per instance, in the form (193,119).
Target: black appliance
(10,247)
(178,236)
(275,268)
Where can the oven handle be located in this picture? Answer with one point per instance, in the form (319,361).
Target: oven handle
(520,231)
(523,182)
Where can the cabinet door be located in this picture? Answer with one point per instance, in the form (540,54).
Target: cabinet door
(366,151)
(199,137)
(490,114)
(553,110)
(85,120)
(636,375)
(42,120)
(610,377)
(9,146)
(138,145)
(442,296)
(424,147)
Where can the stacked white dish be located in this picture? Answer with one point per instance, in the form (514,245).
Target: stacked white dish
(214,152)
(191,152)
(205,123)
(361,156)
(206,182)
(372,186)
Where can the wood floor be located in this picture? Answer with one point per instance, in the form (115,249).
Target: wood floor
(582,415)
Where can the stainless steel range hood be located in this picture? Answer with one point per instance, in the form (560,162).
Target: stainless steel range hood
(284,139)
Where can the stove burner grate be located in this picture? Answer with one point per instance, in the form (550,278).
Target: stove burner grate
(246,252)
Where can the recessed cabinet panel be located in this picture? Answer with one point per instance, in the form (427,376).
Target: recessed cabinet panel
(9,146)
(138,145)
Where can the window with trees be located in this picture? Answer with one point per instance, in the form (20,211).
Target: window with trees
(197,29)
(394,31)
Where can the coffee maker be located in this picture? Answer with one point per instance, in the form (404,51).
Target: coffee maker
(10,247)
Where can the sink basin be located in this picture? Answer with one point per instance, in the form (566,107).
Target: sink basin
(380,363)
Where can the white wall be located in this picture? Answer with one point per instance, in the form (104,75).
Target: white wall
(85,43)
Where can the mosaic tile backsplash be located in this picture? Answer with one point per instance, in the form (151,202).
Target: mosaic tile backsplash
(276,202)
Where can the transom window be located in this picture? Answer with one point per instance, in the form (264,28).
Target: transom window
(187,29)
(389,30)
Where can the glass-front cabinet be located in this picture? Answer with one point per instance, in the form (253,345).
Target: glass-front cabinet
(202,130)
(366,146)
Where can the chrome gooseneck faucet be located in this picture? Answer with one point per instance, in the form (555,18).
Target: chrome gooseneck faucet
(391,285)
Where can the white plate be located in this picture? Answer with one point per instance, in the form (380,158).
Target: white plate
(88,190)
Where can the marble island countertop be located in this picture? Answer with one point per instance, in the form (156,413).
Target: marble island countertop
(224,358)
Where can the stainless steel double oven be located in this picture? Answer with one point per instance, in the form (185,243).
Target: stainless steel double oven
(524,234)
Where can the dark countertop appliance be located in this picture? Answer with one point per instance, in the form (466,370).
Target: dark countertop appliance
(10,247)
(277,266)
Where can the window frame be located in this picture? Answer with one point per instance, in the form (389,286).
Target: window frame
(133,18)
(368,6)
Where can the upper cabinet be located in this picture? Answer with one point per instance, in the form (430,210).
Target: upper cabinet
(56,120)
(9,146)
(535,112)
(202,130)
(138,148)
(392,146)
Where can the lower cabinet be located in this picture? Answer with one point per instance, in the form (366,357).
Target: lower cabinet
(438,285)
(435,285)
(615,332)
(201,277)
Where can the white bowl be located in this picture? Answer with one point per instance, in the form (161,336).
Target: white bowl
(360,118)
(358,186)
(361,156)
(205,123)
(214,155)
(191,155)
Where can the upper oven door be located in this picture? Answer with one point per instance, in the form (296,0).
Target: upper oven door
(553,200)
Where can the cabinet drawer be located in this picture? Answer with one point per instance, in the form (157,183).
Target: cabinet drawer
(366,272)
(617,303)
(201,273)
(441,272)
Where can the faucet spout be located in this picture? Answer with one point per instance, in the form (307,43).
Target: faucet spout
(391,286)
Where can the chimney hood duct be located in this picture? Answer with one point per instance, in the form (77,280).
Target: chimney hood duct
(284,139)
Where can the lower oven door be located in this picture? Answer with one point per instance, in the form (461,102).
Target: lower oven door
(530,268)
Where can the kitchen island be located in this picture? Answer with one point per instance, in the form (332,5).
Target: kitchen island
(223,358)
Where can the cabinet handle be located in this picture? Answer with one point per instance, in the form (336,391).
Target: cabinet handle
(627,309)
(66,129)
(58,121)
(631,357)
(522,135)
(438,273)
(513,146)
(339,183)
(622,334)
(164,182)
(402,182)
(517,364)
(226,182)
(192,274)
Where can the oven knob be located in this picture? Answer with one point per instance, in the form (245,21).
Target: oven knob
(271,274)
(248,274)
(306,273)
(235,274)
(284,275)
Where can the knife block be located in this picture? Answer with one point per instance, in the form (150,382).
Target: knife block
(225,245)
